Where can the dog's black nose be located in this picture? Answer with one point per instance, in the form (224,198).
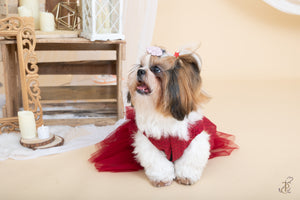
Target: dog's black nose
(140,74)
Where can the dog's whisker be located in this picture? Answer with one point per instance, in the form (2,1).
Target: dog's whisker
(133,69)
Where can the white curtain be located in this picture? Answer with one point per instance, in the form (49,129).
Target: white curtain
(139,22)
(288,6)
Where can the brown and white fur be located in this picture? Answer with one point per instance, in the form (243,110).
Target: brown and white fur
(166,94)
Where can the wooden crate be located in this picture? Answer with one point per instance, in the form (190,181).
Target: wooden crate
(101,104)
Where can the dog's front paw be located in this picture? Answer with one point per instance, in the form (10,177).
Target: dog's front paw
(186,174)
(161,183)
(160,173)
(184,181)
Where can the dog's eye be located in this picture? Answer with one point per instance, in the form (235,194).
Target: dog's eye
(155,69)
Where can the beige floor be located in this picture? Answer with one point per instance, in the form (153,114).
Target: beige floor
(264,116)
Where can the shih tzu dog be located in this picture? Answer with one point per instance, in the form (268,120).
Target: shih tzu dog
(165,91)
(164,132)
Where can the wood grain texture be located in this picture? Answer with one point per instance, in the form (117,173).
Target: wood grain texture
(76,105)
(79,67)
(57,142)
(78,40)
(79,92)
(11,80)
(119,81)
(50,5)
(64,45)
(36,142)
(56,34)
(79,122)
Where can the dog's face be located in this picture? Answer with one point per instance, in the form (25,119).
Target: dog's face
(172,84)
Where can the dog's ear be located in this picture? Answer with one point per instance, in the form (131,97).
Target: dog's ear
(193,60)
(184,86)
(128,97)
(176,108)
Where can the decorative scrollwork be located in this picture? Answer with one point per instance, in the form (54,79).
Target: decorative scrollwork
(26,42)
(9,124)
(30,61)
(11,24)
(28,39)
(34,96)
(31,71)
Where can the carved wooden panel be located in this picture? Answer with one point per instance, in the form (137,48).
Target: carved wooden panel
(22,29)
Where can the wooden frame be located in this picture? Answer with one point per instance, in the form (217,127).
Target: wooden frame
(22,29)
(85,94)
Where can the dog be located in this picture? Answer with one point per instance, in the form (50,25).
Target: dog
(165,91)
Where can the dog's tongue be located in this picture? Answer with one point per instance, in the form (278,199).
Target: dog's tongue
(143,88)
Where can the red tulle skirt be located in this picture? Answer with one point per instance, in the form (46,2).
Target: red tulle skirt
(115,153)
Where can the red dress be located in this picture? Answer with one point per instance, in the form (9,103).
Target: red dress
(115,153)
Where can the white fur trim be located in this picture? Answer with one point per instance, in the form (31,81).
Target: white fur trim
(191,164)
(157,166)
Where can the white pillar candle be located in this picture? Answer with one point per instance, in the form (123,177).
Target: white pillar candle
(43,132)
(34,5)
(27,124)
(24,11)
(107,16)
(47,22)
(99,23)
(103,18)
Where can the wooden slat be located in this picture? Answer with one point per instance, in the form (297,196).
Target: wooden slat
(5,41)
(119,81)
(56,34)
(75,56)
(82,121)
(11,80)
(55,101)
(73,46)
(62,40)
(78,40)
(81,113)
(79,105)
(80,67)
(97,113)
(78,92)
